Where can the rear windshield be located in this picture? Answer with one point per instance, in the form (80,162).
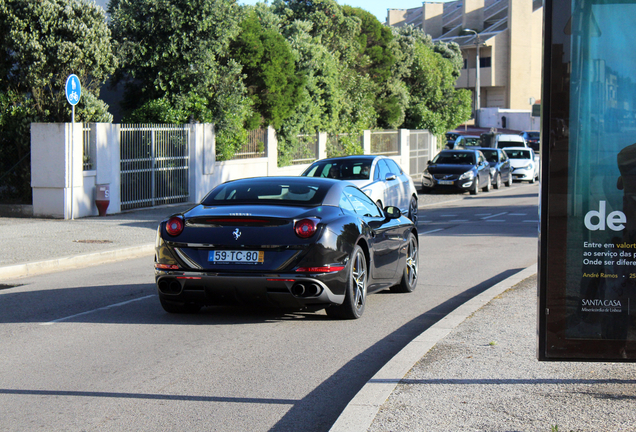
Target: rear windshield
(455,158)
(349,169)
(518,154)
(504,144)
(266,192)
(474,142)
(534,135)
(491,155)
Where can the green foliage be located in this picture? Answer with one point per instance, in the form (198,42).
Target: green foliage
(274,85)
(434,104)
(41,44)
(176,51)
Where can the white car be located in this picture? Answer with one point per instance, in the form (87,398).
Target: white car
(525,167)
(380,177)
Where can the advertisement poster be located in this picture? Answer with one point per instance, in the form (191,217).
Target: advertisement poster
(591,142)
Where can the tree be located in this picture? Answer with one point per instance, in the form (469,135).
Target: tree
(41,43)
(274,85)
(174,51)
(434,103)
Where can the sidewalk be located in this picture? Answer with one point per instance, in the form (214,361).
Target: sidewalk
(31,246)
(476,369)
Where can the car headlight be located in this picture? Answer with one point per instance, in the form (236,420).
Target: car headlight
(468,175)
(529,166)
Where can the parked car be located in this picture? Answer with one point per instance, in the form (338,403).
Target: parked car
(525,167)
(510,140)
(533,138)
(500,168)
(463,141)
(464,170)
(379,177)
(451,137)
(290,242)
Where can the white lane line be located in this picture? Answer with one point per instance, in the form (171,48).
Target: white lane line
(531,221)
(495,215)
(432,231)
(517,214)
(97,310)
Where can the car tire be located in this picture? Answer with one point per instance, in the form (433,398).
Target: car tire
(497,184)
(409,276)
(488,184)
(509,182)
(532,180)
(475,189)
(413,210)
(179,307)
(356,289)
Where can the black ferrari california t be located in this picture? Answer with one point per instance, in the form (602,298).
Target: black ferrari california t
(301,243)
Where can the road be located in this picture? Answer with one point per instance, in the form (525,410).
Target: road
(92,350)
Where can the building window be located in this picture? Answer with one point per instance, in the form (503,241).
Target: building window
(485,62)
(465,64)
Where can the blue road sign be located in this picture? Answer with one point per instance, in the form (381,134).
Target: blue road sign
(73,89)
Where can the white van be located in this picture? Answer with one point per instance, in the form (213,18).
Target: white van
(510,140)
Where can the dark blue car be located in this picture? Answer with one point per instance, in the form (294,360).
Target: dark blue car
(462,170)
(500,168)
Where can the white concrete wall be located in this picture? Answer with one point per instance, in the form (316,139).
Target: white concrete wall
(515,119)
(51,162)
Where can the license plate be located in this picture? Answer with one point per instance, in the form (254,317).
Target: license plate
(445,182)
(236,257)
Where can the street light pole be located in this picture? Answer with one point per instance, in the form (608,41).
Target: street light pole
(477,77)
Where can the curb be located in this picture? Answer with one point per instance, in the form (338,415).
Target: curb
(359,414)
(74,262)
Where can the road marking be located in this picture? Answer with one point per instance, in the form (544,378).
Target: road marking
(432,231)
(97,310)
(498,214)
(531,221)
(517,214)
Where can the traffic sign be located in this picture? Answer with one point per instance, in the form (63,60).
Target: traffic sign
(73,89)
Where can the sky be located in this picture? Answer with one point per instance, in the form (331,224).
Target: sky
(376,7)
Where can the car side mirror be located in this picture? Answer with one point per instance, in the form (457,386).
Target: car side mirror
(390,177)
(392,212)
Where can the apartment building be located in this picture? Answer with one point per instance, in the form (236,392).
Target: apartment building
(509,34)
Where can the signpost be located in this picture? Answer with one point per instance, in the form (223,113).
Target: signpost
(73,93)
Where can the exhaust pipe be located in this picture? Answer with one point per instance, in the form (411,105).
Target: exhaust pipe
(312,290)
(298,290)
(169,286)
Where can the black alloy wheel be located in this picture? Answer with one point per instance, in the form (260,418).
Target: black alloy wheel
(413,210)
(356,291)
(409,277)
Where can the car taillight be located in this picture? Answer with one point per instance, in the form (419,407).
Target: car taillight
(175,225)
(323,269)
(305,228)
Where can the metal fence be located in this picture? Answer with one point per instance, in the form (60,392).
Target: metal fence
(419,144)
(385,143)
(306,151)
(154,165)
(254,147)
(89,147)
(343,144)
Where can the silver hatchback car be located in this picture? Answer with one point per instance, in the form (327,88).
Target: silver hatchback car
(380,177)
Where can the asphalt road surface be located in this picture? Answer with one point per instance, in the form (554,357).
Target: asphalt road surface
(92,350)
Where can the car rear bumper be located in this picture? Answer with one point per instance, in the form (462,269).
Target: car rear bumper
(274,290)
